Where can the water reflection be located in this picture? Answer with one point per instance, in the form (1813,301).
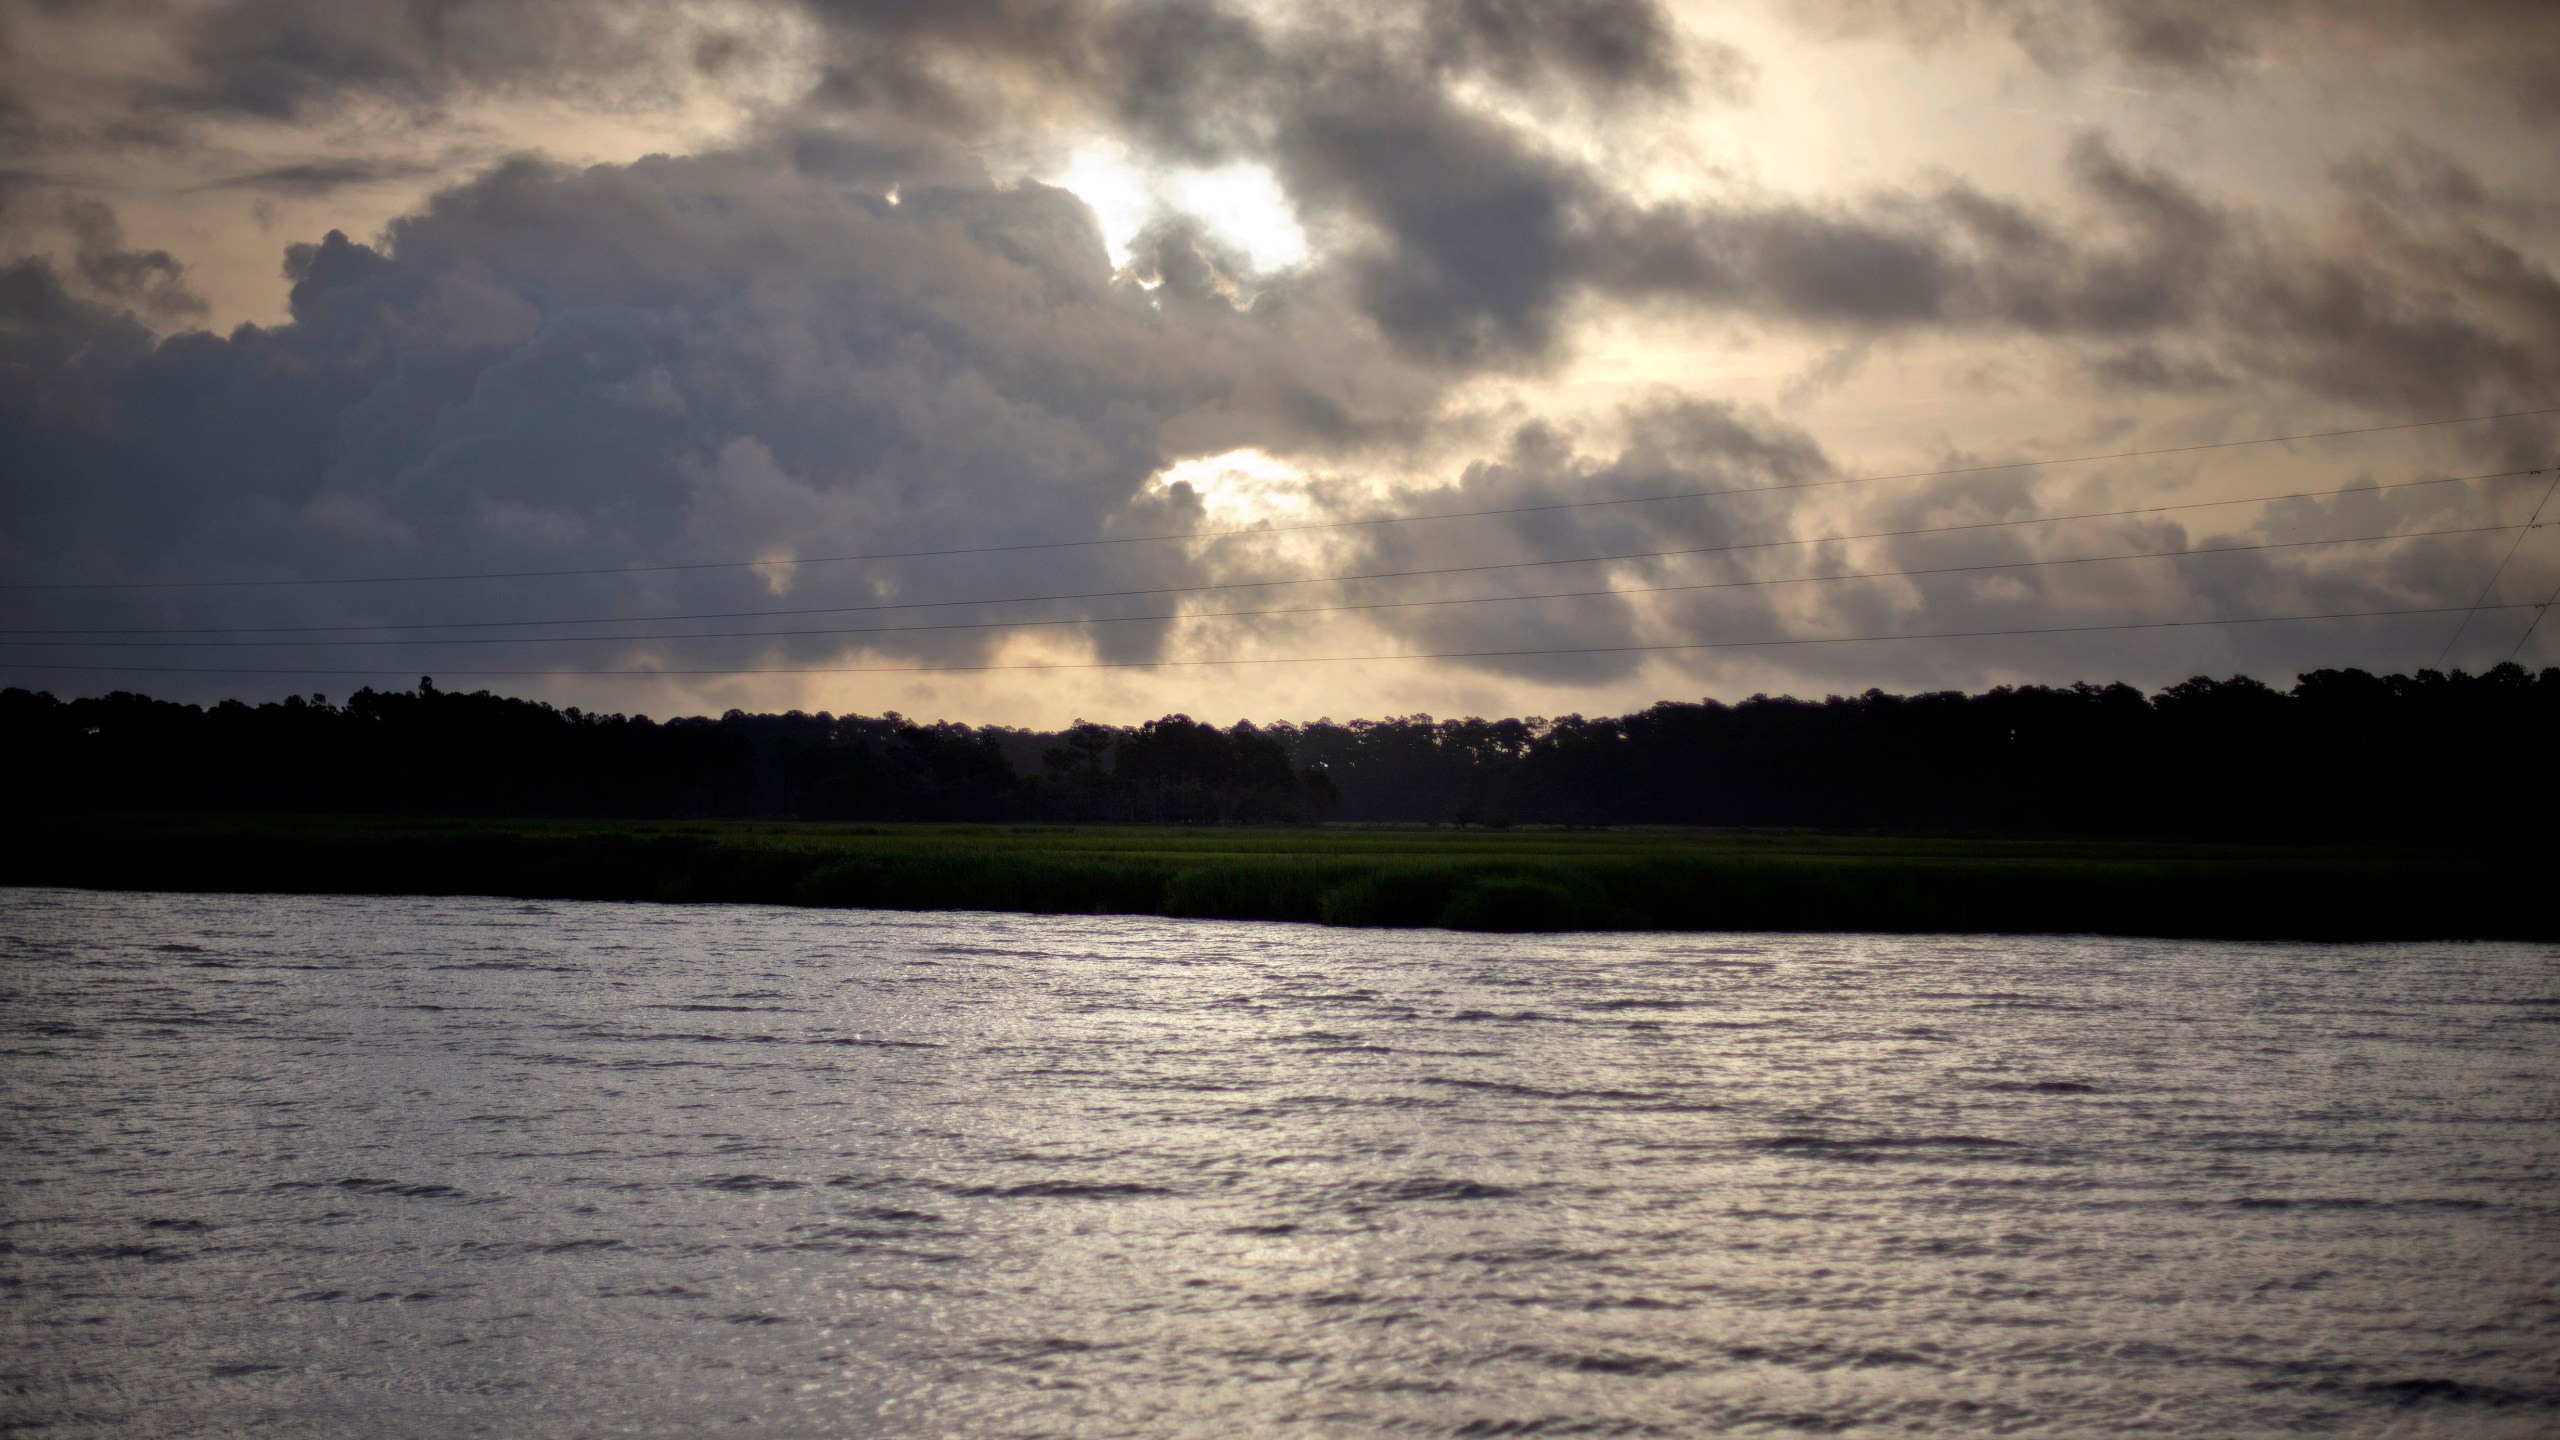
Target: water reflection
(368,1166)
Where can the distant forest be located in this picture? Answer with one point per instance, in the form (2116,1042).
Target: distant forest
(2342,754)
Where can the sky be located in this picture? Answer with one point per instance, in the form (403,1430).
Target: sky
(1019,361)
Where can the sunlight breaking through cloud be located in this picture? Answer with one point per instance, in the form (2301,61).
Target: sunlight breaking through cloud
(1242,205)
(1241,487)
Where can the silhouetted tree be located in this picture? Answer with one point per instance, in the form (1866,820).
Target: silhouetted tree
(2344,753)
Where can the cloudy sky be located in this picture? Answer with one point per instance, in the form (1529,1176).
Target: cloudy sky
(1001,359)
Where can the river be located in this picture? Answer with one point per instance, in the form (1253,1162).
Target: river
(361,1166)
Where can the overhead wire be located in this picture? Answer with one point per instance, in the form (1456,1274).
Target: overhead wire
(954,551)
(1243,660)
(1221,586)
(2530,524)
(2539,611)
(840,631)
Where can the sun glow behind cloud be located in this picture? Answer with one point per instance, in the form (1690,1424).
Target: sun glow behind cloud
(1242,205)
(1507,274)
(1242,487)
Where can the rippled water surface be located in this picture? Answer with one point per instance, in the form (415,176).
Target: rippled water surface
(357,1166)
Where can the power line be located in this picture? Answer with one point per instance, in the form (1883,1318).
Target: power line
(2501,570)
(1209,587)
(1292,610)
(1271,529)
(1305,659)
(2538,612)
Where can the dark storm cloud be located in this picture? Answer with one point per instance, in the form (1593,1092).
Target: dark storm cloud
(93,257)
(1789,491)
(60,358)
(280,59)
(1187,74)
(2381,306)
(1194,81)
(842,337)
(324,177)
(2141,256)
(1982,575)
(1169,65)
(1602,45)
(1467,220)
(730,355)
(1667,448)
(150,282)
(1471,231)
(2512,44)
(1471,242)
(1476,247)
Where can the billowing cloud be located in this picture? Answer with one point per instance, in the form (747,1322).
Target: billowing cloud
(323,177)
(2513,44)
(149,282)
(757,354)
(858,323)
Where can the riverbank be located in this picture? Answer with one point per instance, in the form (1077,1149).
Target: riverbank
(1464,879)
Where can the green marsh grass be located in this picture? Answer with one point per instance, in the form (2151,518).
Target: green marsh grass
(1524,880)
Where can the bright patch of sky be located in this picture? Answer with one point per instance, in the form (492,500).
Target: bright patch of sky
(1242,205)
(1242,487)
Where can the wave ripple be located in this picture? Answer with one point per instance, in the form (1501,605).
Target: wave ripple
(427,1167)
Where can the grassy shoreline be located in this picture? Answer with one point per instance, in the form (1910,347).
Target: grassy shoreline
(1516,880)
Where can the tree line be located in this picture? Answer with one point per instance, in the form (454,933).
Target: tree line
(2341,753)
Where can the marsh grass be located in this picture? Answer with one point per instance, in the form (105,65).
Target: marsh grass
(1463,879)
